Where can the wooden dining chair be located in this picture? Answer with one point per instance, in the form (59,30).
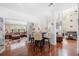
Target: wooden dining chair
(47,39)
(37,40)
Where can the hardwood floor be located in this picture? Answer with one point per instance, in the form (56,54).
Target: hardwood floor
(66,48)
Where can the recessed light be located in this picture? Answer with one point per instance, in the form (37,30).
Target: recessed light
(71,20)
(75,11)
(71,26)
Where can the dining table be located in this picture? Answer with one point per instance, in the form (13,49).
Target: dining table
(43,38)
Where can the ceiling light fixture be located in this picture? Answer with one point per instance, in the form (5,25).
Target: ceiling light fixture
(50,4)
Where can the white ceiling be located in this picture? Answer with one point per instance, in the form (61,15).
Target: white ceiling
(33,11)
(28,8)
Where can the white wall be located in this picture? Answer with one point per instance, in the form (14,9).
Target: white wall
(78,32)
(69,15)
